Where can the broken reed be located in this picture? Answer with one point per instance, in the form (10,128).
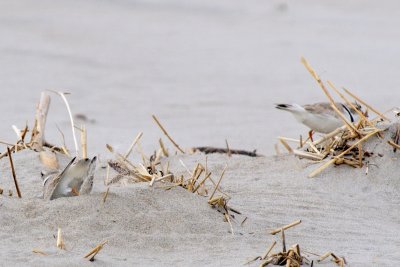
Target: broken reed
(152,171)
(287,257)
(343,144)
(291,257)
(13,172)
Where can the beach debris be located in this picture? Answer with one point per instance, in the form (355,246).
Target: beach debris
(62,95)
(13,172)
(291,257)
(152,171)
(340,261)
(345,145)
(37,138)
(106,195)
(228,151)
(274,232)
(60,240)
(90,256)
(135,141)
(84,141)
(39,252)
(167,135)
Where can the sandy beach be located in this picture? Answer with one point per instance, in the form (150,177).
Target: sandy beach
(211,71)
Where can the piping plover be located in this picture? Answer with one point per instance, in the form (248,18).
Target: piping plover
(321,117)
(75,179)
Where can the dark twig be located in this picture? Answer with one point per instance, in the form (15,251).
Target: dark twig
(13,172)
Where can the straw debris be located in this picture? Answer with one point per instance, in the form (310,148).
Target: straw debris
(344,145)
(291,257)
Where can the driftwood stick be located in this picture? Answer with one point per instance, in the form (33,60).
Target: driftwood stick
(13,172)
(285,227)
(167,135)
(210,150)
(41,115)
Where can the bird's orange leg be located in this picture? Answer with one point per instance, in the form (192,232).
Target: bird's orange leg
(310,135)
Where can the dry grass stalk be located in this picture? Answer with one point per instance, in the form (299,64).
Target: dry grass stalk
(308,155)
(345,144)
(37,138)
(266,253)
(365,104)
(219,181)
(277,150)
(84,141)
(285,227)
(167,135)
(62,95)
(38,251)
(331,100)
(13,172)
(202,182)
(327,164)
(348,102)
(286,145)
(283,240)
(340,261)
(228,150)
(106,195)
(137,138)
(162,146)
(228,219)
(60,241)
(393,144)
(90,256)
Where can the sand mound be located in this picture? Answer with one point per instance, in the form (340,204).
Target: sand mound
(343,210)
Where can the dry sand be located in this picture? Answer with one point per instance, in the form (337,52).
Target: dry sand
(343,211)
(211,70)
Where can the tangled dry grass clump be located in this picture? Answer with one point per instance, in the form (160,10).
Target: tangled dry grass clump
(345,144)
(292,257)
(155,170)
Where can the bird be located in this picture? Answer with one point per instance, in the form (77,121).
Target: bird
(321,117)
(76,179)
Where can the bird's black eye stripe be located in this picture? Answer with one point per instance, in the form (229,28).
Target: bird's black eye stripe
(348,111)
